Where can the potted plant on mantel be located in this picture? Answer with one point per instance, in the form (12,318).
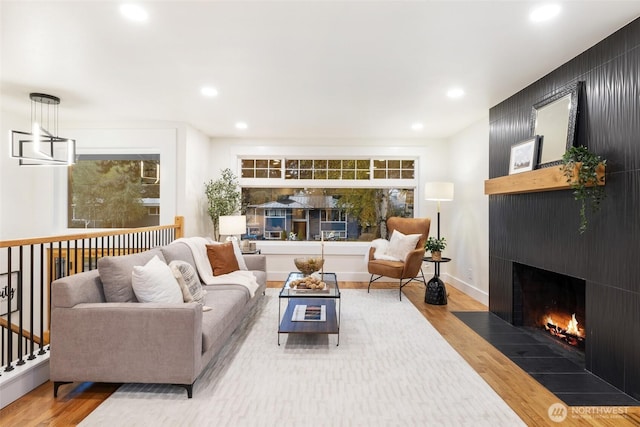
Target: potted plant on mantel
(435,246)
(223,198)
(580,167)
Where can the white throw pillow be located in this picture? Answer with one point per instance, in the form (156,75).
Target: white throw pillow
(401,244)
(155,282)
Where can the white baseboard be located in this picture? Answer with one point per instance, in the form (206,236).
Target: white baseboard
(23,379)
(472,291)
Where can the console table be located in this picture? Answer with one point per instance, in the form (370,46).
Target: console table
(436,292)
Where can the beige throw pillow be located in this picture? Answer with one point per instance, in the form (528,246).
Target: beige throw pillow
(189,281)
(401,244)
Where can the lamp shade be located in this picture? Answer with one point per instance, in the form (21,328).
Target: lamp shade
(232,224)
(438,191)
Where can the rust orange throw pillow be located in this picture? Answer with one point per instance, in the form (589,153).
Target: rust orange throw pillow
(222,258)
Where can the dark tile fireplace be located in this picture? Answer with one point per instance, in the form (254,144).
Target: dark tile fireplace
(540,229)
(550,304)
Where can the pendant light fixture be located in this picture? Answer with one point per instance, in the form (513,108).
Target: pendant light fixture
(43,146)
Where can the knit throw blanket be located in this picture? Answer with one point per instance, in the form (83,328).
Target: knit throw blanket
(203,266)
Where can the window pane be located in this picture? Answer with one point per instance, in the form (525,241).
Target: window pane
(335,164)
(291,164)
(380,173)
(107,191)
(393,174)
(344,214)
(320,164)
(306,164)
(380,164)
(363,164)
(291,174)
(306,174)
(275,173)
(348,164)
(247,173)
(362,174)
(248,163)
(261,173)
(348,174)
(333,174)
(319,174)
(262,163)
(274,164)
(408,164)
(408,174)
(393,164)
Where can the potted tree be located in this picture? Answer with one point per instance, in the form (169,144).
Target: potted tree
(435,246)
(223,198)
(581,167)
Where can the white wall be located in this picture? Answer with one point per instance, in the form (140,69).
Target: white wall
(466,218)
(193,172)
(27,194)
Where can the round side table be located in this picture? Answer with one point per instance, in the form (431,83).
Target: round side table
(436,292)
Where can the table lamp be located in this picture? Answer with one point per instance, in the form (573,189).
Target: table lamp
(230,225)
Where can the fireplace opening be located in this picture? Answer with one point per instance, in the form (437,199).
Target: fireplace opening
(551,305)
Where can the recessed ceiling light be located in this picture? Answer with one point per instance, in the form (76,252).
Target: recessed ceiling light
(209,91)
(134,12)
(544,12)
(241,125)
(417,126)
(455,92)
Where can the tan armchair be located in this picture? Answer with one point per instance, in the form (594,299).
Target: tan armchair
(408,270)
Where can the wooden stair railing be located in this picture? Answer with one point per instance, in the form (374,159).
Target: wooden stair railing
(29,266)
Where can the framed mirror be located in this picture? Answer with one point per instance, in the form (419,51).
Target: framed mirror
(554,119)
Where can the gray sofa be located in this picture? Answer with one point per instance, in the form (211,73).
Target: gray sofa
(131,342)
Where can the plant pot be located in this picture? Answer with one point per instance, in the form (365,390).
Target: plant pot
(436,255)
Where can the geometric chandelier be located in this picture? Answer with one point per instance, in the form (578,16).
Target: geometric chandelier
(42,146)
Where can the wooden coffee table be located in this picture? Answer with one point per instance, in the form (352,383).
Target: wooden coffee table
(329,297)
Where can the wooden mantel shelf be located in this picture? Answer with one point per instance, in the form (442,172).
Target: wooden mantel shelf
(546,179)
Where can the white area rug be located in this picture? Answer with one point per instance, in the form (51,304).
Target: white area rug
(392,368)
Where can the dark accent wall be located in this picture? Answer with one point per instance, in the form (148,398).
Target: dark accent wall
(541,229)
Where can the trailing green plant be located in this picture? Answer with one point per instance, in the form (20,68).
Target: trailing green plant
(435,245)
(223,196)
(584,183)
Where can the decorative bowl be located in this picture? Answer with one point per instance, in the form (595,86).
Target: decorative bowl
(308,265)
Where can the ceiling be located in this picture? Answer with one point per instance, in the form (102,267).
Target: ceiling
(306,69)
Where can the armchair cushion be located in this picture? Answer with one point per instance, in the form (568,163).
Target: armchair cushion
(401,244)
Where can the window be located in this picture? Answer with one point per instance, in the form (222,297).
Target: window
(328,169)
(114,191)
(261,168)
(344,214)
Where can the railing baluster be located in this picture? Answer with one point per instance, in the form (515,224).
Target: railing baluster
(32,291)
(9,367)
(20,361)
(42,351)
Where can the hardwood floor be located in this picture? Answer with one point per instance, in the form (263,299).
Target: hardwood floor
(522,393)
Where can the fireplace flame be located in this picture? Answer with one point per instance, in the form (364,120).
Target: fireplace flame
(572,327)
